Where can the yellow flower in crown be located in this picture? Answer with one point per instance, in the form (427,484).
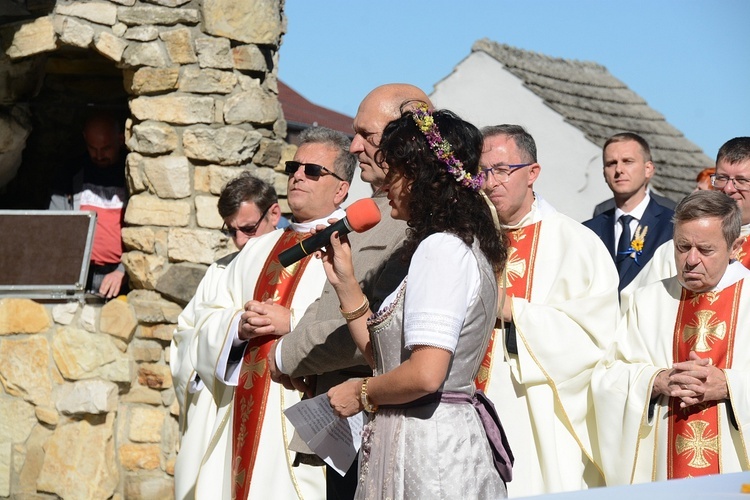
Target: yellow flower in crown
(426,123)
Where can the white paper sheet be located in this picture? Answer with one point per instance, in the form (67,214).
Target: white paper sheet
(335,440)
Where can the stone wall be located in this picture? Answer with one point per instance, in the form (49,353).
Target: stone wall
(87,408)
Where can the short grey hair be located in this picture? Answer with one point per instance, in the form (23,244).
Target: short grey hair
(524,142)
(345,161)
(704,204)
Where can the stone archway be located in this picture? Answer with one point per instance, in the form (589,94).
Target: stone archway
(199,80)
(69,84)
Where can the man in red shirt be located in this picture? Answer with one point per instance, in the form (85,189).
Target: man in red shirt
(96,182)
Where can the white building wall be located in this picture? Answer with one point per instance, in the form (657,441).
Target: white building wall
(481,91)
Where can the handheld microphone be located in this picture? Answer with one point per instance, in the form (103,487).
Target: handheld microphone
(360,216)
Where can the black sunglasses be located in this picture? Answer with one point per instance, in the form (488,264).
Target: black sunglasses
(311,169)
(246,230)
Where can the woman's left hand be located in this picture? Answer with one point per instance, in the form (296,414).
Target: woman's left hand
(345,398)
(337,260)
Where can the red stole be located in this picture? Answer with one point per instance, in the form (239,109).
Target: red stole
(251,394)
(705,324)
(519,275)
(743,254)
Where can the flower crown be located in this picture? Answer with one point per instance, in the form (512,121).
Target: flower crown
(443,150)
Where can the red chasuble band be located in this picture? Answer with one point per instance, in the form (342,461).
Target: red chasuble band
(519,275)
(251,395)
(743,254)
(705,324)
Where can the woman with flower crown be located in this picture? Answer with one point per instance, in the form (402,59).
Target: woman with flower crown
(430,434)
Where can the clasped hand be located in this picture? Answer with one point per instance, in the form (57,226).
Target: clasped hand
(506,313)
(694,381)
(263,318)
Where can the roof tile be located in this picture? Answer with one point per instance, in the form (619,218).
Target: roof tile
(591,99)
(299,110)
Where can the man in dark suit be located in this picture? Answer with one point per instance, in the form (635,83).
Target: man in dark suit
(637,225)
(610,203)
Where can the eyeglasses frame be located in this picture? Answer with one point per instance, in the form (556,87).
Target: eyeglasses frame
(231,232)
(733,180)
(511,168)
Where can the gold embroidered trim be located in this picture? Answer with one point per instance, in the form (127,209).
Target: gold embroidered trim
(519,334)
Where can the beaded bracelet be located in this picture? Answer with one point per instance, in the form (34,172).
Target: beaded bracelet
(358,312)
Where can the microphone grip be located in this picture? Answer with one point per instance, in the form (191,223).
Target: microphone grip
(313,243)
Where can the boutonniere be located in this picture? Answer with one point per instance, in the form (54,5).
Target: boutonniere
(636,244)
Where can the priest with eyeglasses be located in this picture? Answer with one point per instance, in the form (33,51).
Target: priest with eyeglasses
(558,311)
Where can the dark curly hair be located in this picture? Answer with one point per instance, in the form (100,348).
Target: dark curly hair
(439,203)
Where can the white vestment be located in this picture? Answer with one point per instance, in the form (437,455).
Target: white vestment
(273,475)
(634,444)
(661,266)
(542,393)
(197,406)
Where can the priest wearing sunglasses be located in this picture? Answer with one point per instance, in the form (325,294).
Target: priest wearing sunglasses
(249,456)
(249,207)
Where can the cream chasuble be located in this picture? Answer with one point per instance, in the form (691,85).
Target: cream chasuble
(214,318)
(197,406)
(636,436)
(563,329)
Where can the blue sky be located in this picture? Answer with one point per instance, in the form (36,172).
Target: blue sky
(690,60)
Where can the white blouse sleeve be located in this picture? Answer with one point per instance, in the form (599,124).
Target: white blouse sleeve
(443,281)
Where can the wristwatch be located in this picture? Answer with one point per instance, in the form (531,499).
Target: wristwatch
(369,407)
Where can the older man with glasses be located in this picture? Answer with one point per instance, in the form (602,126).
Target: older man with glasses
(732,177)
(249,208)
(671,395)
(557,313)
(248,456)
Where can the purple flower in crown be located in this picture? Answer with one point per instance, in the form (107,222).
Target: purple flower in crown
(443,150)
